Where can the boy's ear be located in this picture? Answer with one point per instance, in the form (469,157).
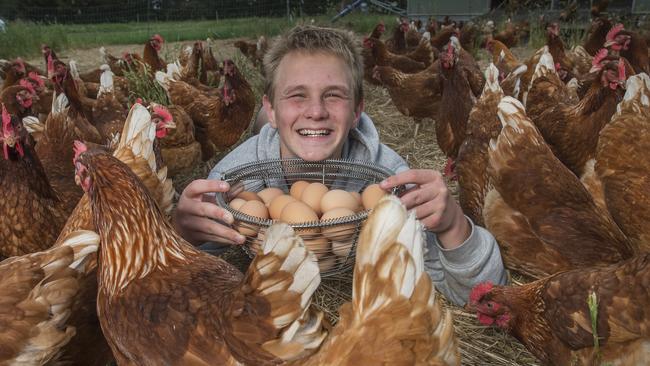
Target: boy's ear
(268,109)
(357,114)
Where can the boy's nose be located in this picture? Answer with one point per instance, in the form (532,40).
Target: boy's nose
(316,110)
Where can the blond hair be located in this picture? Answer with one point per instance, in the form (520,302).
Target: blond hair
(307,38)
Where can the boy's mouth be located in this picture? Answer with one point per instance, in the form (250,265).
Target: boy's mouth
(313,133)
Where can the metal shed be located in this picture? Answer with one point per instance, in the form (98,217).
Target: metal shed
(457,9)
(641,6)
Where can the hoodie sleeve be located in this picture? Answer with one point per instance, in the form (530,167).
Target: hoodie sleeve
(456,271)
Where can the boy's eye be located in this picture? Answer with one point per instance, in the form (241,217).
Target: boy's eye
(333,95)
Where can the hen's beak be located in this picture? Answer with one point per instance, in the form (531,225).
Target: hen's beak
(609,43)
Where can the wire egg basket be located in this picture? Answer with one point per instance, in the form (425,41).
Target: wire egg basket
(332,240)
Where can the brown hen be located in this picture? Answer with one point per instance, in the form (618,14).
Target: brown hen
(33,214)
(553,317)
(542,216)
(621,162)
(202,309)
(472,162)
(394,317)
(37,295)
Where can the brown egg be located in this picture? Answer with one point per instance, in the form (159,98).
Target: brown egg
(249,196)
(312,196)
(326,263)
(255,209)
(237,203)
(342,248)
(338,198)
(371,195)
(298,212)
(357,195)
(338,232)
(297,188)
(317,244)
(277,205)
(268,194)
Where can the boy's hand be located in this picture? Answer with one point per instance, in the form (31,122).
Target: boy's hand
(433,205)
(197,217)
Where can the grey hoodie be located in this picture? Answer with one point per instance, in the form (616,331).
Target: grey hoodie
(454,272)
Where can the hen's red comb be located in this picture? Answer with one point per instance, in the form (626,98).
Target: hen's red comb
(27,85)
(162,112)
(79,148)
(600,56)
(34,76)
(479,291)
(158,37)
(614,31)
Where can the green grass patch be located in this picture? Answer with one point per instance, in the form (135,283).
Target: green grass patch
(25,38)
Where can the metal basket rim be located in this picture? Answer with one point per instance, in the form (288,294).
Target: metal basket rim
(234,174)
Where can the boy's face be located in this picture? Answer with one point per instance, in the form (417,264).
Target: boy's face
(314,107)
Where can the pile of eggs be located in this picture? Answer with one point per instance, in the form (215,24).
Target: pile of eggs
(309,203)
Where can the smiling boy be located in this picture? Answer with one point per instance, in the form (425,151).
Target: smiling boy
(314,103)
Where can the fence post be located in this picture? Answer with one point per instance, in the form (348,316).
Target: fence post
(288,11)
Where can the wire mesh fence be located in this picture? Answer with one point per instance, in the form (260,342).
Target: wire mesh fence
(161,10)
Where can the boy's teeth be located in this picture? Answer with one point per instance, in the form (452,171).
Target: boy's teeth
(306,132)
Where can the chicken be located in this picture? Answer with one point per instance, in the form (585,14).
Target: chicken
(382,57)
(394,317)
(221,120)
(33,213)
(12,72)
(596,36)
(53,150)
(509,36)
(591,316)
(170,288)
(441,39)
(511,84)
(210,68)
(572,130)
(397,43)
(249,50)
(455,104)
(472,162)
(107,112)
(180,150)
(422,53)
(193,71)
(545,87)
(563,63)
(412,36)
(150,54)
(41,106)
(502,58)
(629,45)
(18,99)
(37,293)
(415,95)
(378,30)
(621,165)
(543,218)
(135,148)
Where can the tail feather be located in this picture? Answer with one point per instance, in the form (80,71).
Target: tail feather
(491,79)
(105,81)
(44,307)
(286,273)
